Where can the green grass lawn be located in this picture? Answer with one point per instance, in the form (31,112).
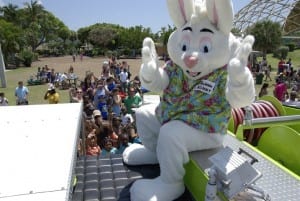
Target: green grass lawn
(36,92)
(295,56)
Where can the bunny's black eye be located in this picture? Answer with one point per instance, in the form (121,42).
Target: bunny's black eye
(205,49)
(184,45)
(205,46)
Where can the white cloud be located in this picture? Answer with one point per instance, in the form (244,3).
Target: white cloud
(38,2)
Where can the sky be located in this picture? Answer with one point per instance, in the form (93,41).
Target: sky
(127,13)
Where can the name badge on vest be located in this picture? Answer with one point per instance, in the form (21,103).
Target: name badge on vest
(205,86)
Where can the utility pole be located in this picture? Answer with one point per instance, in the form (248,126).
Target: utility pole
(2,70)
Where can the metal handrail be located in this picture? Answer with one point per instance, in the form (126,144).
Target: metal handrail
(271,121)
(266,122)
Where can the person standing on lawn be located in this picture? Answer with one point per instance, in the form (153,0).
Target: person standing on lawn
(21,94)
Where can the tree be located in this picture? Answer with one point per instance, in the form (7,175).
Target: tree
(9,38)
(112,37)
(10,13)
(38,25)
(165,34)
(41,26)
(102,36)
(83,34)
(33,10)
(267,35)
(236,32)
(132,37)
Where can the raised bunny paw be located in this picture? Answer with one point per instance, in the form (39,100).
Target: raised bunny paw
(237,65)
(240,86)
(149,58)
(152,76)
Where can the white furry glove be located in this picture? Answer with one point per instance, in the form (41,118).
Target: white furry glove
(152,76)
(240,87)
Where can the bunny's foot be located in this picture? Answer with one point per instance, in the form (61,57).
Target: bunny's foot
(155,190)
(137,154)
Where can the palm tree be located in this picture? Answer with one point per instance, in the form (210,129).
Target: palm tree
(33,10)
(10,13)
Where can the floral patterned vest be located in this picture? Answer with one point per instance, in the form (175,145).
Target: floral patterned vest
(200,103)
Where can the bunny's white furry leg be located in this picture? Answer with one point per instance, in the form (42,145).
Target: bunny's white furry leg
(176,140)
(155,190)
(147,128)
(137,154)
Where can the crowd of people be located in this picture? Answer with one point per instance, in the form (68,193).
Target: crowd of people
(110,99)
(286,79)
(109,102)
(61,80)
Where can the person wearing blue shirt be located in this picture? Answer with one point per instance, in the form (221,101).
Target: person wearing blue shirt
(124,143)
(102,106)
(108,148)
(21,94)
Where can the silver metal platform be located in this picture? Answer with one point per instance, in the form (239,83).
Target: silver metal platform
(279,184)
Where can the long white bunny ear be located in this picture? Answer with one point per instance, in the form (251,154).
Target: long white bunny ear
(220,13)
(180,11)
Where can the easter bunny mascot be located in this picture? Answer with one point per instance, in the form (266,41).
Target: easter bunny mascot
(206,77)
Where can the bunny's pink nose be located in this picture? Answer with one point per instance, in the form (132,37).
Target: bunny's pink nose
(190,61)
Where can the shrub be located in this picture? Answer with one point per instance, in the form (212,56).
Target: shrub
(281,52)
(291,47)
(27,57)
(108,53)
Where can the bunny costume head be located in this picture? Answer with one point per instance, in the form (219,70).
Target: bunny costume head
(202,36)
(207,76)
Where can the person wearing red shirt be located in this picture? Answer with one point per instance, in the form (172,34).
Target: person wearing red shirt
(92,148)
(281,66)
